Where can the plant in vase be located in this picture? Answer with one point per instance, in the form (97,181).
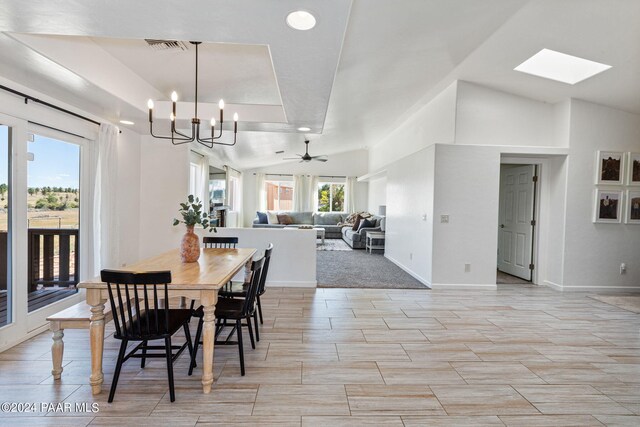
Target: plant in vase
(192,214)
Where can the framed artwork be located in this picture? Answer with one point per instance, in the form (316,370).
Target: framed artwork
(608,206)
(610,168)
(633,169)
(632,214)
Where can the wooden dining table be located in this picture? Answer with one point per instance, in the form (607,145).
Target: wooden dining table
(199,280)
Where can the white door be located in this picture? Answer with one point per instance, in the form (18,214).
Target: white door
(515,232)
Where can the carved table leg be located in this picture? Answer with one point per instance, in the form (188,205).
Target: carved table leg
(96,333)
(57,350)
(208,300)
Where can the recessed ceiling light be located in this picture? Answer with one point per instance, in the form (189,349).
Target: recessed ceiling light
(304,129)
(127,122)
(301,20)
(561,67)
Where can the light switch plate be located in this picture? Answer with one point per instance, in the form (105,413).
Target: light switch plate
(444,219)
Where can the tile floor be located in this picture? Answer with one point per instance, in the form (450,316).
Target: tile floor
(519,356)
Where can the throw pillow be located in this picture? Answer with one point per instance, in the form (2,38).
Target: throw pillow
(262,218)
(285,219)
(272,217)
(356,223)
(365,223)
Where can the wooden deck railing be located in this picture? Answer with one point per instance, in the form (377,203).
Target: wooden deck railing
(53,257)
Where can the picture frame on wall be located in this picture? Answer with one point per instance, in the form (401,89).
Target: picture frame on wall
(610,168)
(632,214)
(608,206)
(633,169)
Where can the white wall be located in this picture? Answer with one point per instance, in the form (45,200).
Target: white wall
(594,252)
(351,163)
(433,123)
(293,261)
(164,183)
(377,194)
(409,197)
(466,189)
(488,117)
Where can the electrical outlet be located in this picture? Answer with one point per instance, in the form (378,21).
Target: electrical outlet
(444,219)
(623,268)
(467,268)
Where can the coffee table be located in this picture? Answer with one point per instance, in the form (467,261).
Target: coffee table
(320,232)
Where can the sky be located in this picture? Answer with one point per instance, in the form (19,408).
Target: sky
(56,163)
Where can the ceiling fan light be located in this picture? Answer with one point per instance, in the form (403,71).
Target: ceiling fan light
(174,96)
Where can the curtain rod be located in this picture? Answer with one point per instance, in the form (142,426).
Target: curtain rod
(47,104)
(59,130)
(319,176)
(227,166)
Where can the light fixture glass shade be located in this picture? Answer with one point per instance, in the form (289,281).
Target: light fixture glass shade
(301,20)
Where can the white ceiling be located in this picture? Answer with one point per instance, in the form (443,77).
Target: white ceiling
(366,65)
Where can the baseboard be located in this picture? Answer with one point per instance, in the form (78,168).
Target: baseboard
(630,289)
(409,272)
(31,334)
(552,285)
(471,286)
(286,284)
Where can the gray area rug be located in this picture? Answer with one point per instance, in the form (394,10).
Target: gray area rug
(333,245)
(359,269)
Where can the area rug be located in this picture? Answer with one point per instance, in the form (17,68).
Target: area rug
(625,302)
(333,245)
(360,269)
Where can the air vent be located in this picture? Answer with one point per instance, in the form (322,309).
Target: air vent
(280,152)
(166,44)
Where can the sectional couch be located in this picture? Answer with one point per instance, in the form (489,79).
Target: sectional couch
(329,221)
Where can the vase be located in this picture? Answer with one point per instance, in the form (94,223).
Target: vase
(190,246)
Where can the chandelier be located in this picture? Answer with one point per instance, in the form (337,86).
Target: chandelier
(178,137)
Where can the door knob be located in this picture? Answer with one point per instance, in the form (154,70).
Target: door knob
(501,225)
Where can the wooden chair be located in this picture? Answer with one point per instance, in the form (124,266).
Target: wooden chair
(146,322)
(236,310)
(239,290)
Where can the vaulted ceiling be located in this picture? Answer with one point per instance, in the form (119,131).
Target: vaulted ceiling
(351,79)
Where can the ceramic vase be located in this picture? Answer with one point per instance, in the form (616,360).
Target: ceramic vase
(190,247)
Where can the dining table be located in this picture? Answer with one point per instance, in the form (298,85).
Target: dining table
(199,280)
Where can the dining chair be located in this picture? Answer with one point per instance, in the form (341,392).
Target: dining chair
(235,309)
(220,242)
(239,290)
(137,316)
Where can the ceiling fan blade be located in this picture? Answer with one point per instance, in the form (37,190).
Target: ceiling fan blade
(291,158)
(319,159)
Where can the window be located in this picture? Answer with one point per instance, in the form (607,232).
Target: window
(330,197)
(194,173)
(279,195)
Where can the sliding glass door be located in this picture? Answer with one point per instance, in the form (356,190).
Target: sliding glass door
(6,294)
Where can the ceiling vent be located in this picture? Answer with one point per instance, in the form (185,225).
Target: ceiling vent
(166,44)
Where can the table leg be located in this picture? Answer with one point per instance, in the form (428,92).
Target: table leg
(208,300)
(57,350)
(96,335)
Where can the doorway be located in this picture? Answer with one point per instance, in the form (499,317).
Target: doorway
(517,222)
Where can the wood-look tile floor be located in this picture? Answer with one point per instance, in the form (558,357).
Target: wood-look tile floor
(519,356)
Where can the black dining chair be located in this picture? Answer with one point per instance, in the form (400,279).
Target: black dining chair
(220,242)
(235,309)
(239,290)
(137,316)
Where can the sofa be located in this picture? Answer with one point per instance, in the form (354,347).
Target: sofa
(358,239)
(327,220)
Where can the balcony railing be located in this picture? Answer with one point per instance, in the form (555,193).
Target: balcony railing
(53,258)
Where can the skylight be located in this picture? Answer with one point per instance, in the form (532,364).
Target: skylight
(561,67)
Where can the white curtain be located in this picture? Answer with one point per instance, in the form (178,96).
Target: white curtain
(313,193)
(202,182)
(234,179)
(301,198)
(351,194)
(261,193)
(106,229)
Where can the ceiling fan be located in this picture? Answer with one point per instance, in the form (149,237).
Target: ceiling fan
(306,157)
